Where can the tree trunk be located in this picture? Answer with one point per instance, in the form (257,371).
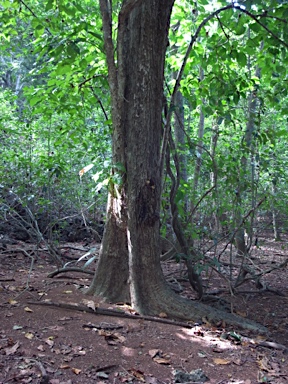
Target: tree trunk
(199,150)
(112,274)
(137,96)
(276,231)
(111,278)
(248,139)
(143,75)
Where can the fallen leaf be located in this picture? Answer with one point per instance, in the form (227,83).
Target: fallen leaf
(202,354)
(153,352)
(12,288)
(119,337)
(138,374)
(64,366)
(16,327)
(68,292)
(241,313)
(102,332)
(49,341)
(221,361)
(29,335)
(159,357)
(235,337)
(238,362)
(76,371)
(163,315)
(12,302)
(78,351)
(161,360)
(89,303)
(263,364)
(13,349)
(102,375)
(27,309)
(41,294)
(260,338)
(41,348)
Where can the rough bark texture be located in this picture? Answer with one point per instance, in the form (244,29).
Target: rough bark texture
(111,277)
(143,69)
(137,96)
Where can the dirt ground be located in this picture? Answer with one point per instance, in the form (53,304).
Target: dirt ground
(50,345)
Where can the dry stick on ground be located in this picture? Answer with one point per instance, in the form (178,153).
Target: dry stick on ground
(257,276)
(70,269)
(110,312)
(122,314)
(74,248)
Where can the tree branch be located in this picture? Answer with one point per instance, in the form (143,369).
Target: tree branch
(254,17)
(181,70)
(34,14)
(179,78)
(221,25)
(100,103)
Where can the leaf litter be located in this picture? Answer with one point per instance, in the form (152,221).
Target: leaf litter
(60,346)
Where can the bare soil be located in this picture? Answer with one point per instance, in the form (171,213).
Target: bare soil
(47,345)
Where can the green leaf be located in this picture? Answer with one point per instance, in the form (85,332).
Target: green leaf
(241,58)
(49,5)
(73,50)
(97,35)
(255,27)
(240,30)
(60,70)
(35,100)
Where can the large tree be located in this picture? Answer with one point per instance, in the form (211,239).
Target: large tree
(129,267)
(69,48)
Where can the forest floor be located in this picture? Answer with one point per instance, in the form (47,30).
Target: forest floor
(55,345)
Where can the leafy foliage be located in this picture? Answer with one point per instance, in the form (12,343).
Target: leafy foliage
(55,118)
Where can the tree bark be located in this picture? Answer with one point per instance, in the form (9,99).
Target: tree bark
(133,212)
(111,278)
(143,74)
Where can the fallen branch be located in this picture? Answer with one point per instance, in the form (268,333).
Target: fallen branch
(71,269)
(266,344)
(109,312)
